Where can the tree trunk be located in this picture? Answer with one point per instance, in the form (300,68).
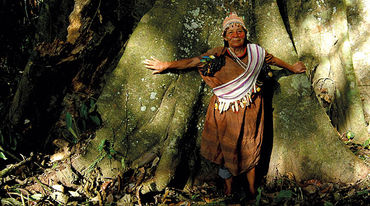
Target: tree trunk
(299,143)
(358,18)
(142,111)
(322,32)
(147,116)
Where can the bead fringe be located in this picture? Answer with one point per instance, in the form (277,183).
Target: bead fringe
(245,101)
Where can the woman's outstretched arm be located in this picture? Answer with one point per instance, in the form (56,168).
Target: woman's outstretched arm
(159,66)
(296,68)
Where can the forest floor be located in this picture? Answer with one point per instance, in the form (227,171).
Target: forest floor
(18,187)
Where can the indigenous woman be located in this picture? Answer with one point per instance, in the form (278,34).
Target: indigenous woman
(233,129)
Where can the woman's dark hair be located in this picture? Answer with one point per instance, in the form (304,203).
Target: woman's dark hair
(246,41)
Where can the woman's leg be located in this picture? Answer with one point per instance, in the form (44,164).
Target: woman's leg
(251,176)
(228,177)
(228,183)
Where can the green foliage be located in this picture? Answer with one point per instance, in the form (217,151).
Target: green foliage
(88,117)
(366,144)
(123,163)
(258,198)
(88,113)
(95,119)
(283,195)
(364,192)
(55,165)
(195,196)
(102,145)
(350,135)
(97,160)
(84,111)
(111,153)
(328,203)
(69,121)
(105,148)
(2,156)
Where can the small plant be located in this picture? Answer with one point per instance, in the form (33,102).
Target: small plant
(88,114)
(2,156)
(366,144)
(88,117)
(71,123)
(283,195)
(105,148)
(258,198)
(350,135)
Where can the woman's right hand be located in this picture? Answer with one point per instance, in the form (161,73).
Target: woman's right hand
(156,65)
(298,68)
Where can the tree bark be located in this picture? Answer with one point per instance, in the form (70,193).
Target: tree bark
(358,18)
(298,143)
(151,116)
(326,39)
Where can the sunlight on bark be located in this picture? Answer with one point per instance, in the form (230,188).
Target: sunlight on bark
(75,20)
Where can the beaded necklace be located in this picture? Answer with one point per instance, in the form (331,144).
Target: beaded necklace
(236,58)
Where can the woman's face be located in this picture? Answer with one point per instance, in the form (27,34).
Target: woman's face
(235,35)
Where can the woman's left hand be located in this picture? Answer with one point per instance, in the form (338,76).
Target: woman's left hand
(298,68)
(156,65)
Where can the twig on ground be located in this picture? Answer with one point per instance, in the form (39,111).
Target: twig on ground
(138,195)
(13,167)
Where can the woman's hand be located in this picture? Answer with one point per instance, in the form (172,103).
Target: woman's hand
(156,65)
(298,68)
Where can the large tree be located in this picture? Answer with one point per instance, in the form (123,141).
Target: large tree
(147,117)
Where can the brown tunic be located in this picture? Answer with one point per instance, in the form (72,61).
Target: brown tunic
(232,139)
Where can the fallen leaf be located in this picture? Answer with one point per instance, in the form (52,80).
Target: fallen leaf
(311,189)
(59,197)
(58,188)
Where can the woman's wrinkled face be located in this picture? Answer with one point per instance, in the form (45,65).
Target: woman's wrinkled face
(235,35)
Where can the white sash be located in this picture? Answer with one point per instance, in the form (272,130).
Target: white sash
(241,88)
